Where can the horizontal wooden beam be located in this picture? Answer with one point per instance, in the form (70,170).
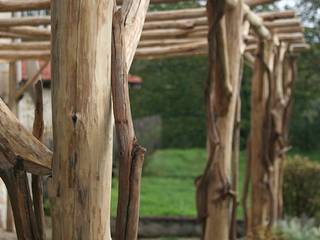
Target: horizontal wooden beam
(26,5)
(20,148)
(23,5)
(40,45)
(256,22)
(24,55)
(25,21)
(299,47)
(275,15)
(291,22)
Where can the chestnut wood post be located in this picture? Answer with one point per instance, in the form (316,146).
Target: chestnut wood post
(278,146)
(128,23)
(260,214)
(12,104)
(214,188)
(16,180)
(37,181)
(289,77)
(80,189)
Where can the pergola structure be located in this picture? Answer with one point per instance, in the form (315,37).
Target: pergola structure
(91,45)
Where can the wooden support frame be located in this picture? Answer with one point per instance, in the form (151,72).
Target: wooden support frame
(214,191)
(125,41)
(20,148)
(80,188)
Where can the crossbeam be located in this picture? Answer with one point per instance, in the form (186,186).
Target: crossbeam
(20,148)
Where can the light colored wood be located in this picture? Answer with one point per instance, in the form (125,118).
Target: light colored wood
(25,21)
(275,15)
(23,55)
(30,31)
(23,5)
(131,155)
(133,14)
(80,189)
(256,22)
(20,147)
(176,14)
(168,42)
(31,81)
(214,192)
(159,51)
(174,33)
(181,23)
(298,47)
(27,46)
(290,22)
(260,213)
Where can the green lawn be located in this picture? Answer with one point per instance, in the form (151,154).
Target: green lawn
(168,182)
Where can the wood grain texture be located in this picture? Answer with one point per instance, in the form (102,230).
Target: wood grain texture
(37,181)
(80,189)
(214,188)
(131,154)
(20,147)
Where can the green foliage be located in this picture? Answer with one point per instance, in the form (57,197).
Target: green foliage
(173,89)
(301,188)
(168,183)
(297,229)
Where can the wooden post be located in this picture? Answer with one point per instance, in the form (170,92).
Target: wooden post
(260,214)
(214,188)
(37,181)
(289,77)
(12,104)
(80,189)
(127,27)
(16,179)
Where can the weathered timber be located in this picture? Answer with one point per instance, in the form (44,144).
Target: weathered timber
(25,21)
(22,5)
(214,191)
(80,188)
(134,14)
(37,182)
(260,213)
(131,154)
(16,181)
(20,147)
(31,80)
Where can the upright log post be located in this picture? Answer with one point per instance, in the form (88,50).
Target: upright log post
(80,189)
(127,27)
(37,181)
(16,180)
(12,104)
(289,77)
(260,215)
(214,188)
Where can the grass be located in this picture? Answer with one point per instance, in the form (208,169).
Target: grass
(168,181)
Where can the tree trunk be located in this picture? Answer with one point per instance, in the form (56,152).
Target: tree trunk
(131,154)
(262,195)
(80,189)
(214,190)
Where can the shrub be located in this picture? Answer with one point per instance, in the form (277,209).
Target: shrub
(301,190)
(298,229)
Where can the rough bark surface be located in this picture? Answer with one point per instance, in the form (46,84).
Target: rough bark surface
(260,214)
(214,190)
(20,147)
(131,154)
(80,189)
(37,182)
(16,181)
